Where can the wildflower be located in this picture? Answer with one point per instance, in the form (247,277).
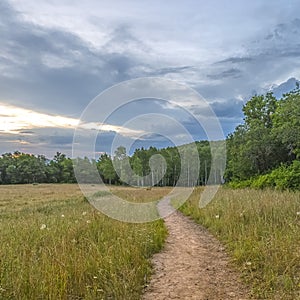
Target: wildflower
(84,213)
(88,221)
(248,263)
(43,226)
(217,216)
(95,277)
(298,213)
(62,215)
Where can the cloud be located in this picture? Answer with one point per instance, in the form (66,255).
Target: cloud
(56,57)
(230,73)
(15,120)
(60,140)
(56,69)
(228,109)
(16,126)
(168,70)
(235,60)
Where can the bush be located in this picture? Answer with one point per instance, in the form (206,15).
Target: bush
(283,178)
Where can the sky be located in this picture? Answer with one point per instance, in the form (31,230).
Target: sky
(57,56)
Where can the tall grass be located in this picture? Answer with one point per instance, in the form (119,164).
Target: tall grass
(261,231)
(54,245)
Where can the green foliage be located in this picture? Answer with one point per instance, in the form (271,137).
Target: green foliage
(60,169)
(106,169)
(285,177)
(287,122)
(260,150)
(135,170)
(20,167)
(167,165)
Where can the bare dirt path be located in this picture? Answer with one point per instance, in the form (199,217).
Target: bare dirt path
(193,265)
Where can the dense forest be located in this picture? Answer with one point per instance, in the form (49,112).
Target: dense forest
(27,168)
(264,151)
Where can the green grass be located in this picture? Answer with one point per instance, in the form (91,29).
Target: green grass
(54,245)
(261,231)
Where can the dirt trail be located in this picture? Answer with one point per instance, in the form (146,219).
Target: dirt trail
(193,265)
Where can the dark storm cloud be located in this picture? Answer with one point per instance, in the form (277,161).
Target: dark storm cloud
(56,70)
(53,69)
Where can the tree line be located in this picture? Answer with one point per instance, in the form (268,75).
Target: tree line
(167,166)
(263,151)
(20,167)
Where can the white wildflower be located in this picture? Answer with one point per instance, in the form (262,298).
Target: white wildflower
(43,226)
(88,221)
(248,263)
(84,213)
(298,213)
(217,216)
(62,215)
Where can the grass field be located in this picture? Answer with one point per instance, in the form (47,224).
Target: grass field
(261,231)
(54,245)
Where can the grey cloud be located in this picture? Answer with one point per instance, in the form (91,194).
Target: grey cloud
(60,140)
(228,109)
(168,70)
(235,60)
(56,70)
(230,73)
(268,56)
(271,56)
(281,41)
(291,53)
(26,132)
(123,40)
(285,87)
(284,30)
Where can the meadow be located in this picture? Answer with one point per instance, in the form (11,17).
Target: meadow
(55,245)
(261,231)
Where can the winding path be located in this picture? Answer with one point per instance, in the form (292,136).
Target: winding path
(192,265)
